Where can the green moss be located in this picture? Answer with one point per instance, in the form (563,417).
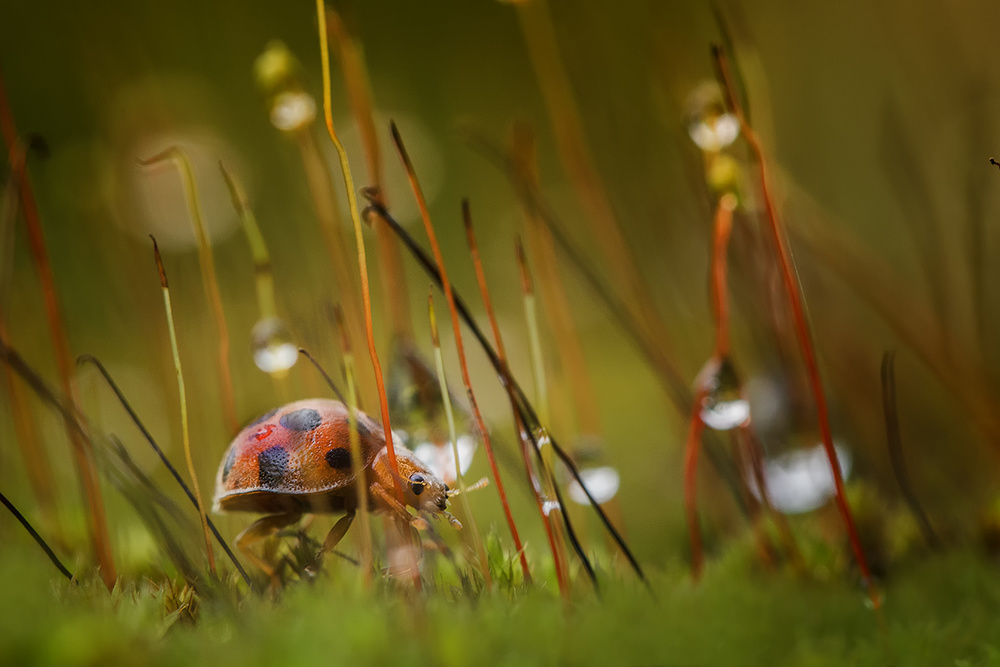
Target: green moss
(942,610)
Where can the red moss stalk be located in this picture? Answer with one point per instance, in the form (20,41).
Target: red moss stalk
(802,332)
(457,329)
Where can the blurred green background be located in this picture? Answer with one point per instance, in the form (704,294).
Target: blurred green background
(877,119)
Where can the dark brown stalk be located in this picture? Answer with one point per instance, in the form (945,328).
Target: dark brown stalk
(801,327)
(95,362)
(38,538)
(895,441)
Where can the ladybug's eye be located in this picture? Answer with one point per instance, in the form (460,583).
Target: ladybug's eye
(417,483)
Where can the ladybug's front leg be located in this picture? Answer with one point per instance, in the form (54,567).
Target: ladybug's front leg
(391,503)
(260,530)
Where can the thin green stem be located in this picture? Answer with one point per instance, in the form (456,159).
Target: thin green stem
(185,430)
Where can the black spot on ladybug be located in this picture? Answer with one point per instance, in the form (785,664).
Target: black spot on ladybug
(228,465)
(338,458)
(272,463)
(263,418)
(305,419)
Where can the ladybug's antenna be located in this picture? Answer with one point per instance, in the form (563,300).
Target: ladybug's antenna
(485,481)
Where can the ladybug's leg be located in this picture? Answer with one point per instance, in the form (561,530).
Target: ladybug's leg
(262,529)
(336,533)
(391,502)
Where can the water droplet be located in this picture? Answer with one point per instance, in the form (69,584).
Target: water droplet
(550,506)
(602,483)
(414,394)
(273,350)
(877,603)
(801,480)
(724,407)
(292,110)
(440,458)
(709,123)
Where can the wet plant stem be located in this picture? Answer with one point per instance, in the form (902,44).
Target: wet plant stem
(208,276)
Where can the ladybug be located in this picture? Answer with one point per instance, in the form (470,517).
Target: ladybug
(296,459)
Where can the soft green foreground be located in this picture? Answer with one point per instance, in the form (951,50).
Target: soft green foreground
(942,611)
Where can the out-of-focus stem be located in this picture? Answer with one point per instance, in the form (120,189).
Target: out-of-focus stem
(82,454)
(266,303)
(359,95)
(801,329)
(208,276)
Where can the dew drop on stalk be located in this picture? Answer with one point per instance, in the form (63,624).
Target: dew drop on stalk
(711,126)
(602,483)
(440,458)
(292,110)
(273,350)
(550,506)
(801,480)
(724,407)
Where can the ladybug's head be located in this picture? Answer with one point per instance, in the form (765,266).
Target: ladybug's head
(422,489)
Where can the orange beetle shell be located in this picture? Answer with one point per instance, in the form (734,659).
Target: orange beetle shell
(296,458)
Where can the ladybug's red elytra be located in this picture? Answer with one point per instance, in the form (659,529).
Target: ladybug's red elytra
(296,459)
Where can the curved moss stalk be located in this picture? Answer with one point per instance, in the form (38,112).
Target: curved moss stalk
(360,241)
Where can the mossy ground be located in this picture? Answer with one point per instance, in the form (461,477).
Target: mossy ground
(939,610)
